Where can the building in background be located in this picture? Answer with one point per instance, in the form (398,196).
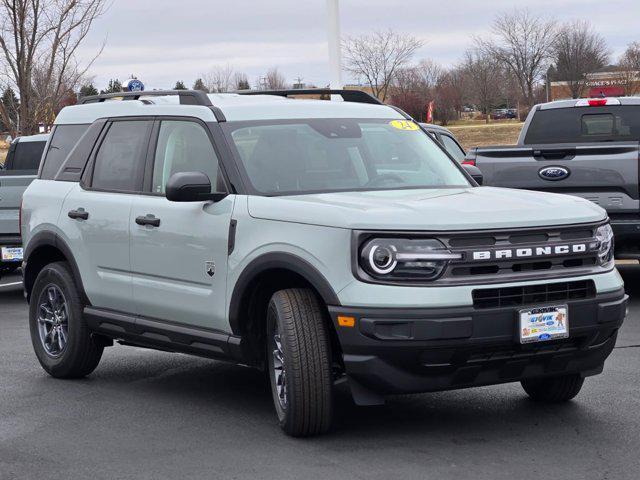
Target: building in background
(610,81)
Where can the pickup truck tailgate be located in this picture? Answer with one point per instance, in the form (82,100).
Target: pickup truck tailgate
(11,189)
(604,174)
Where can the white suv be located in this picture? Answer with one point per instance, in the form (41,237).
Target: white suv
(318,240)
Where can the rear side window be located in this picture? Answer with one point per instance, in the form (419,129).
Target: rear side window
(119,163)
(616,123)
(452,147)
(27,156)
(64,138)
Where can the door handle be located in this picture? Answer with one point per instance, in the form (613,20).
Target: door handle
(79,214)
(148,219)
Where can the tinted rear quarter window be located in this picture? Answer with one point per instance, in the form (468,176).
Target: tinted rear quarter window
(27,156)
(63,139)
(618,123)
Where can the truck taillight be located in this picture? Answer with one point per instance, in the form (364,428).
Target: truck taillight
(470,157)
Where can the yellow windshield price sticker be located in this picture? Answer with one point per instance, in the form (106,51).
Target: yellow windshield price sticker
(406,125)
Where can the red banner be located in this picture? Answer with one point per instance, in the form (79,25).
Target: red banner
(430,108)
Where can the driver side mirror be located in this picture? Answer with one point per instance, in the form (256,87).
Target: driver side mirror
(475,172)
(191,187)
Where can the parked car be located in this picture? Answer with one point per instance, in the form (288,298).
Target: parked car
(446,139)
(19,170)
(318,240)
(587,148)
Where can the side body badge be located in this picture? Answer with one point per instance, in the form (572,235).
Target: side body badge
(210,268)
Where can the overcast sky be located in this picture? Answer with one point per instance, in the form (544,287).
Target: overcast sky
(162,41)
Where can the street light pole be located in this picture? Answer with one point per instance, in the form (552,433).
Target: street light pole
(335,54)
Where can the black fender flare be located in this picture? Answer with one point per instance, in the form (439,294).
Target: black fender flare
(278,260)
(50,239)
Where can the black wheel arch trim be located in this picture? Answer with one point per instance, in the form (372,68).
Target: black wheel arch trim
(51,239)
(277,260)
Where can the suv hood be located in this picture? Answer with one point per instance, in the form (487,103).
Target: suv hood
(429,209)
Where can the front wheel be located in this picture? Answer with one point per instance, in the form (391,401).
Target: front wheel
(555,389)
(299,361)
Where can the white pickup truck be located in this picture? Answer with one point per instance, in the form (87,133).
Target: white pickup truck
(19,170)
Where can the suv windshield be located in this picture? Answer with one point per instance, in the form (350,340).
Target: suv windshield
(330,155)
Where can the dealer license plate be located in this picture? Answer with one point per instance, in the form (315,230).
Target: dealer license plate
(544,323)
(11,254)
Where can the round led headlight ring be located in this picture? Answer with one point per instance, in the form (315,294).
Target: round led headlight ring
(382,259)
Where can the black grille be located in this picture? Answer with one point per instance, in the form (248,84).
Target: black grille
(470,270)
(533,294)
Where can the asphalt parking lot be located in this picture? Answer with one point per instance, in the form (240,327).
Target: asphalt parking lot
(146,414)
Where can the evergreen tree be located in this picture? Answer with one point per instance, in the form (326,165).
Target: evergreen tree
(242,82)
(199,85)
(10,104)
(179,85)
(114,86)
(88,90)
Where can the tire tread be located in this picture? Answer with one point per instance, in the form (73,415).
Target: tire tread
(309,366)
(555,389)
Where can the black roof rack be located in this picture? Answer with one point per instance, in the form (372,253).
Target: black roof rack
(187,97)
(356,96)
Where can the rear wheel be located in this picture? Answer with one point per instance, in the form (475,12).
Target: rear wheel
(59,334)
(554,390)
(299,362)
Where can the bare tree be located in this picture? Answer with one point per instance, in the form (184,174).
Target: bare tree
(39,41)
(430,72)
(410,93)
(578,51)
(523,42)
(485,80)
(630,69)
(414,87)
(272,80)
(219,79)
(450,93)
(377,57)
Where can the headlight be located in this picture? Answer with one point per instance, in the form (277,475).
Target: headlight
(403,259)
(604,236)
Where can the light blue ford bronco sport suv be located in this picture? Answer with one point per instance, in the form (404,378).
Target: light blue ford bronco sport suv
(317,240)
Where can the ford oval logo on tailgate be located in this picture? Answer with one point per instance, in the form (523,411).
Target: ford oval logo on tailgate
(554,173)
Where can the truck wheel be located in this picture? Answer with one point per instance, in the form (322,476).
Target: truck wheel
(59,334)
(553,390)
(299,360)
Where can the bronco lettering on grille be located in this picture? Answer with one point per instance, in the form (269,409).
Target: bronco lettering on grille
(530,252)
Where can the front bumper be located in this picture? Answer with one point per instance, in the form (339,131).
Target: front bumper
(396,350)
(626,232)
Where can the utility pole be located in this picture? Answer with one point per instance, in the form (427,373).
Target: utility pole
(335,53)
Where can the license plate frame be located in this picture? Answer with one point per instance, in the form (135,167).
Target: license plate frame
(11,254)
(543,324)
